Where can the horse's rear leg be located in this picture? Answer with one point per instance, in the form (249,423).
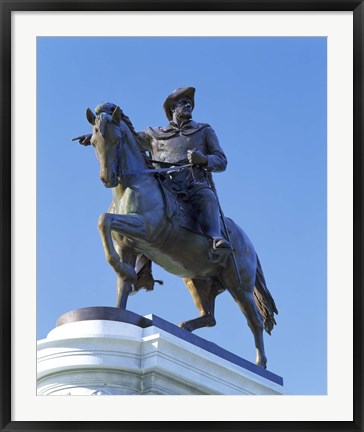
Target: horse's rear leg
(204,294)
(246,302)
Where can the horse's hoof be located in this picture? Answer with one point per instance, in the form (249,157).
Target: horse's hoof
(186,326)
(203,321)
(261,364)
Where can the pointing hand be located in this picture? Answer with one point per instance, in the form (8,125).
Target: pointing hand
(83,139)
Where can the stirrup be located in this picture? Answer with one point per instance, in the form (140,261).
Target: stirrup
(219,243)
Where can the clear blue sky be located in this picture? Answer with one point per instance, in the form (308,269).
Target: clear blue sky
(266,100)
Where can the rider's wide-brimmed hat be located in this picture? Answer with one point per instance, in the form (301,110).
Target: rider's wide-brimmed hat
(188,92)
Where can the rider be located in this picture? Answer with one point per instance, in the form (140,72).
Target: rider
(185,141)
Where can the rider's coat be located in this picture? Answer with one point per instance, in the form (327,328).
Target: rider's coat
(171,143)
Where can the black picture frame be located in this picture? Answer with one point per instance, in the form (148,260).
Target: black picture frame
(7,7)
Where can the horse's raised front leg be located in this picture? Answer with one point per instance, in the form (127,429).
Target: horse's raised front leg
(128,226)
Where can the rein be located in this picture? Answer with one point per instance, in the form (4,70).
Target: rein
(160,170)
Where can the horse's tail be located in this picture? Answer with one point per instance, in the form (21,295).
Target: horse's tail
(264,300)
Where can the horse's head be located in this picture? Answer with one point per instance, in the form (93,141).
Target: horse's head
(107,137)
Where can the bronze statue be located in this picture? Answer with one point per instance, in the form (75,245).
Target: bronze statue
(165,209)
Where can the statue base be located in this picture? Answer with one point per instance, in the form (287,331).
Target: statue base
(108,351)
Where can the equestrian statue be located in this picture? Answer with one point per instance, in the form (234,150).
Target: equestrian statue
(165,210)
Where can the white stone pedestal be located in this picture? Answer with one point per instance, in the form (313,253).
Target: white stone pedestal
(105,357)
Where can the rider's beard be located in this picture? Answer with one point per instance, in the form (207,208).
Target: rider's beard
(183,117)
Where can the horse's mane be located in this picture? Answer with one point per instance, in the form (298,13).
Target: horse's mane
(128,122)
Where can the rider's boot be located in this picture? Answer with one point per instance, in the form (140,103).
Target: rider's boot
(145,279)
(211,223)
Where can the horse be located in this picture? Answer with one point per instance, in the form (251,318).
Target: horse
(137,223)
